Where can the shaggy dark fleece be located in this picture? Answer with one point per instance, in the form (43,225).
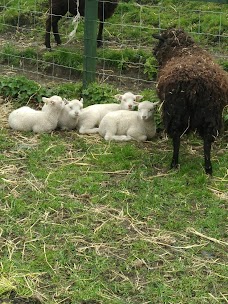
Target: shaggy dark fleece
(58,8)
(193,90)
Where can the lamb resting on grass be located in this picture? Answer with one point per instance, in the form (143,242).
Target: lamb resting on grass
(90,117)
(68,118)
(125,125)
(27,119)
(192,88)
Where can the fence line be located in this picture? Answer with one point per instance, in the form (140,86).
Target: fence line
(126,57)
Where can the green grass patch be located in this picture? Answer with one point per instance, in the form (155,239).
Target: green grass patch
(85,220)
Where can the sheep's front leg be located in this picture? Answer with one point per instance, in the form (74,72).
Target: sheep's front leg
(207,155)
(176,148)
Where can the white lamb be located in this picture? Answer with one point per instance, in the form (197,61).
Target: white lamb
(124,125)
(27,119)
(91,116)
(68,118)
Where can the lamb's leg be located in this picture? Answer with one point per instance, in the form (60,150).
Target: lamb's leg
(110,137)
(176,147)
(84,130)
(207,155)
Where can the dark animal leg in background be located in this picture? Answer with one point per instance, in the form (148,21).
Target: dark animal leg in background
(100,33)
(207,155)
(47,35)
(52,22)
(55,28)
(176,147)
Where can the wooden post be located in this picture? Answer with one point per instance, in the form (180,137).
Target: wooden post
(90,42)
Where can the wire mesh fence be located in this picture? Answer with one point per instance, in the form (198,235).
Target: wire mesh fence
(126,56)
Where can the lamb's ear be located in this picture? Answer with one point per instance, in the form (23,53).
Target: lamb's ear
(158,36)
(65,101)
(138,97)
(45,99)
(118,96)
(156,103)
(81,100)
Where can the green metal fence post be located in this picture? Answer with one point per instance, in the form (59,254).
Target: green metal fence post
(90,42)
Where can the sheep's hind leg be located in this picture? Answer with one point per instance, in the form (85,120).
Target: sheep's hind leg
(176,148)
(207,156)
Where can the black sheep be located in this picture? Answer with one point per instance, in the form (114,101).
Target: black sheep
(193,90)
(58,8)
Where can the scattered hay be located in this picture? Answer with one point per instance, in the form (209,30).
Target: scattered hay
(193,231)
(5,109)
(219,193)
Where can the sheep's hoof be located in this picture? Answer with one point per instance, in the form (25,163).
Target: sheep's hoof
(174,165)
(99,43)
(208,170)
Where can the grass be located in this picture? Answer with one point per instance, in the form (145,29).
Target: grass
(85,221)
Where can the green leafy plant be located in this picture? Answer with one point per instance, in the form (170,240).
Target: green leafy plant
(99,93)
(21,89)
(150,68)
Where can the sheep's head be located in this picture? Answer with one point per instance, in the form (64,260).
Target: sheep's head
(74,107)
(171,42)
(128,100)
(55,101)
(146,109)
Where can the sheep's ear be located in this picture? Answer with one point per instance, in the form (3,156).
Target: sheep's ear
(45,99)
(81,100)
(138,97)
(158,36)
(118,97)
(65,101)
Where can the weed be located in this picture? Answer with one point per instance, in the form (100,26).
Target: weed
(21,89)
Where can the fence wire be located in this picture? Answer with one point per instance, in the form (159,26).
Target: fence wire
(126,57)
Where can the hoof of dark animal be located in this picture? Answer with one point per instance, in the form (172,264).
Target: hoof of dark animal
(208,170)
(174,166)
(99,43)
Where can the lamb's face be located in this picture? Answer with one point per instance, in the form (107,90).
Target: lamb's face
(74,108)
(146,109)
(54,101)
(128,100)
